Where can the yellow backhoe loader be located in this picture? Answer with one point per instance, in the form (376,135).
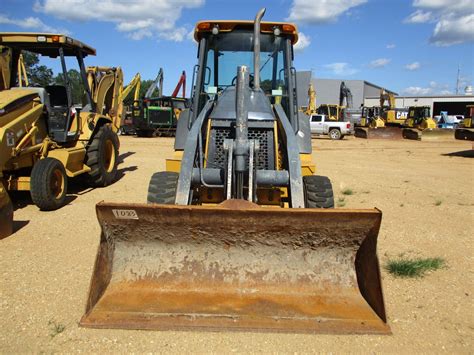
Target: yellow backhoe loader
(238,232)
(419,125)
(46,139)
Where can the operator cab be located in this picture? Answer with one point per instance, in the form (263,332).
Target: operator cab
(57,99)
(225,45)
(419,113)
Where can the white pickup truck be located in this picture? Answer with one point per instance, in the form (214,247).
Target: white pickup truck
(321,125)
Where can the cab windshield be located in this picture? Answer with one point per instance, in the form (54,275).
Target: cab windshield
(227,51)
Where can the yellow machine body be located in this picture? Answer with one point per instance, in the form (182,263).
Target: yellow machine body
(373,126)
(419,125)
(24,112)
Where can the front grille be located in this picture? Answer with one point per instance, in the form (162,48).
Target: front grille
(159,117)
(265,157)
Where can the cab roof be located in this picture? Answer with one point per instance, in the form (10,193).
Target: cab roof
(286,28)
(45,44)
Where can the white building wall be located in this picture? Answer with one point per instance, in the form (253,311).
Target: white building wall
(406,101)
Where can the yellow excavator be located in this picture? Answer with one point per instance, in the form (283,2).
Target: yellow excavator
(419,125)
(126,114)
(238,233)
(45,138)
(391,115)
(311,109)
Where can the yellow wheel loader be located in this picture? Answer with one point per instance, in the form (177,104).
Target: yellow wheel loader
(466,129)
(44,138)
(419,125)
(238,232)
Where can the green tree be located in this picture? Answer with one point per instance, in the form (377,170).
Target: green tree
(77,87)
(38,75)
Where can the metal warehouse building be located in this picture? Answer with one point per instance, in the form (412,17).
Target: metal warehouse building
(327,90)
(453,104)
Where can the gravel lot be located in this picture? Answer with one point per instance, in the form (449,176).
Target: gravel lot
(424,190)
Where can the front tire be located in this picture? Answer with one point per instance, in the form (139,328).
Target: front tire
(102,157)
(318,192)
(162,188)
(335,134)
(48,184)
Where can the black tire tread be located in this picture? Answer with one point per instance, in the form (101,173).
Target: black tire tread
(40,192)
(318,192)
(162,188)
(98,177)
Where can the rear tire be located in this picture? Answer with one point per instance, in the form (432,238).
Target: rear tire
(162,188)
(335,134)
(48,184)
(318,192)
(102,157)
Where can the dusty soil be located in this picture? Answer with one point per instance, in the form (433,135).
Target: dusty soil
(424,191)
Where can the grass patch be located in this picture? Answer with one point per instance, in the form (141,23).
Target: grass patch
(347,192)
(438,202)
(56,328)
(341,201)
(417,267)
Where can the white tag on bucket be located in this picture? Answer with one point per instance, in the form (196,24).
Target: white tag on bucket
(125,214)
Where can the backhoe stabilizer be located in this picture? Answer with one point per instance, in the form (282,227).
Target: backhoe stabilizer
(236,266)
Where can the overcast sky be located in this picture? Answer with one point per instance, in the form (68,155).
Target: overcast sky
(411,47)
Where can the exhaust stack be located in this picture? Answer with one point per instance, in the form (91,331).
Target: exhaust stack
(256,48)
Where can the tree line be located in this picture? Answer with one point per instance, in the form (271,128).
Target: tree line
(40,75)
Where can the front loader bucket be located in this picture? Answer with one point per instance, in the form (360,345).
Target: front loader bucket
(236,267)
(378,133)
(6,214)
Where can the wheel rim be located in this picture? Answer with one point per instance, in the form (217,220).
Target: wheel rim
(334,134)
(57,184)
(109,156)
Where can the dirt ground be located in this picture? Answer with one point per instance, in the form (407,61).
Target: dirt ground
(424,190)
